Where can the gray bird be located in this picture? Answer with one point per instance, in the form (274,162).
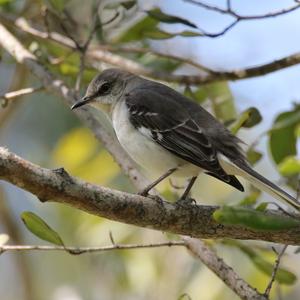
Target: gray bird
(167,133)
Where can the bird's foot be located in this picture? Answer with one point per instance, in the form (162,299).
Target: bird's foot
(144,193)
(186,201)
(156,198)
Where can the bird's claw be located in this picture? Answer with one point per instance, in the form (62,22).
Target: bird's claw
(144,193)
(183,202)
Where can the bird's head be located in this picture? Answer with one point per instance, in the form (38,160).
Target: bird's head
(105,89)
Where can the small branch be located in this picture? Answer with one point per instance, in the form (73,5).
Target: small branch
(84,250)
(129,49)
(230,12)
(84,48)
(237,17)
(80,73)
(22,92)
(228,3)
(216,264)
(222,32)
(276,266)
(94,57)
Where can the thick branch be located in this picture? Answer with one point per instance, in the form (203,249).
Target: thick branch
(102,55)
(192,220)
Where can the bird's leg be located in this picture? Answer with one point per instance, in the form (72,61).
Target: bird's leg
(145,191)
(187,190)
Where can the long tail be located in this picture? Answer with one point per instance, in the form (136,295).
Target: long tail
(260,182)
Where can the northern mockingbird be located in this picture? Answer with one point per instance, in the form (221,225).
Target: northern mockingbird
(165,132)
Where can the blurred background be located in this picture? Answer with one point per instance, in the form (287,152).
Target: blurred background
(42,129)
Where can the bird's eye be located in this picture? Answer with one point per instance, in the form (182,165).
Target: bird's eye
(105,87)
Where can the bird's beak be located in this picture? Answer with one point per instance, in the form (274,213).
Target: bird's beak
(81,102)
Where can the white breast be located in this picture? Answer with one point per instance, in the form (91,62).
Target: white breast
(143,150)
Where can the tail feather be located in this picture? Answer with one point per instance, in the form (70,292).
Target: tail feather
(260,182)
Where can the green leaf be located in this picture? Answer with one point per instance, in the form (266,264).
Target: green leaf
(253,219)
(68,69)
(128,4)
(222,100)
(282,137)
(253,156)
(187,33)
(250,199)
(188,92)
(137,31)
(40,228)
(160,16)
(289,166)
(159,63)
(247,119)
(147,28)
(5,2)
(57,5)
(198,95)
(282,276)
(158,34)
(262,206)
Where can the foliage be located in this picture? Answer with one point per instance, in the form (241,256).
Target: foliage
(40,228)
(142,274)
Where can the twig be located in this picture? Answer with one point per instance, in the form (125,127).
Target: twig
(129,49)
(94,57)
(83,49)
(111,238)
(228,3)
(222,270)
(222,32)
(80,73)
(230,12)
(18,80)
(83,250)
(237,17)
(275,269)
(22,92)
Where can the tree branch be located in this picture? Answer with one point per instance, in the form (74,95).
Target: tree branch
(232,13)
(237,17)
(84,250)
(276,266)
(222,270)
(192,220)
(101,55)
(15,94)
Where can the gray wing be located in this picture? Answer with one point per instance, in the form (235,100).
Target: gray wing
(174,128)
